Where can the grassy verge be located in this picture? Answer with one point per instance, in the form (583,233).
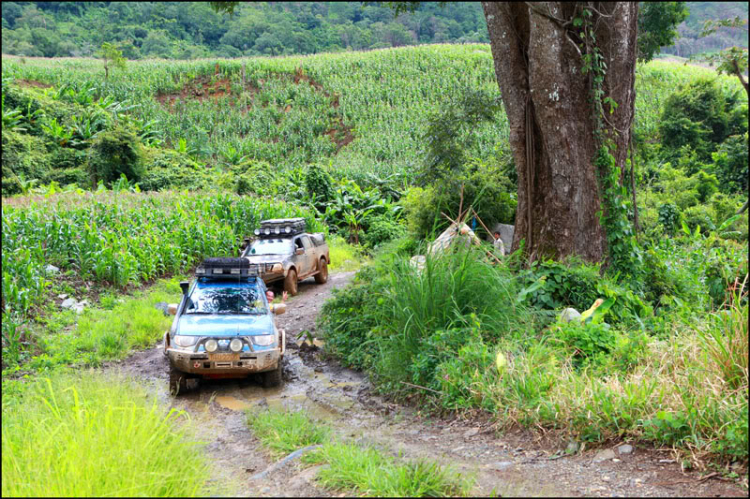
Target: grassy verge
(284,432)
(85,435)
(369,472)
(682,385)
(107,332)
(352,468)
(344,256)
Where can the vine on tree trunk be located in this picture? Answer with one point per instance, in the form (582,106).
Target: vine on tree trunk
(624,252)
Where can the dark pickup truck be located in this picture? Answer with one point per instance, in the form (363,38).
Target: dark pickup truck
(283,250)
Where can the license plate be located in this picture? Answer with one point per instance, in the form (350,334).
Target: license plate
(223,357)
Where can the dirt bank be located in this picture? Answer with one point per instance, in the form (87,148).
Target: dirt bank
(512,464)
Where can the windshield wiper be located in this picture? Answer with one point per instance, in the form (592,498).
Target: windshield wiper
(199,312)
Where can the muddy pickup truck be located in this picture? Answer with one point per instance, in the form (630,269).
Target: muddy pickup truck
(283,250)
(224,327)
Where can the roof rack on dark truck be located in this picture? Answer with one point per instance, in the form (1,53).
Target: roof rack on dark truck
(283,250)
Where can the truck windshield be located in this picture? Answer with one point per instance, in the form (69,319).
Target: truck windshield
(270,247)
(225,300)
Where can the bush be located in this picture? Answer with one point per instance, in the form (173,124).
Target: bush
(169,169)
(669,217)
(409,320)
(695,116)
(731,164)
(586,343)
(116,152)
(319,186)
(381,230)
(703,215)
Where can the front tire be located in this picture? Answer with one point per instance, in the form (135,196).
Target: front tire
(290,282)
(272,379)
(322,276)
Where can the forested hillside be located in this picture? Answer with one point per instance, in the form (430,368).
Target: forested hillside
(187,30)
(690,42)
(180,30)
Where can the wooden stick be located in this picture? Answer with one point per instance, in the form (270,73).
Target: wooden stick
(461,203)
(422,387)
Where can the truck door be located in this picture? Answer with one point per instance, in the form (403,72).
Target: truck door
(311,253)
(300,261)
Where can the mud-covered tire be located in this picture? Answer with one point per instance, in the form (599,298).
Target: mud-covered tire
(290,282)
(322,276)
(272,378)
(177,382)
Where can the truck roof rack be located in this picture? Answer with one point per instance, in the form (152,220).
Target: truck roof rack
(226,267)
(281,227)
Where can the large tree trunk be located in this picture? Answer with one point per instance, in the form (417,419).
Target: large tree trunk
(553,118)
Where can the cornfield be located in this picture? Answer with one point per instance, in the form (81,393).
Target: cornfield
(121,238)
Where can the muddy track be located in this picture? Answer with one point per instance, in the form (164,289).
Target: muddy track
(512,464)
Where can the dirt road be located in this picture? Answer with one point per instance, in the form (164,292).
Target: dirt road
(512,464)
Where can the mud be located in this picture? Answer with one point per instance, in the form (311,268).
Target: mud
(512,464)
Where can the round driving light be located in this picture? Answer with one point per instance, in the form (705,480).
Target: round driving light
(267,231)
(235,345)
(211,345)
(277,231)
(257,232)
(287,229)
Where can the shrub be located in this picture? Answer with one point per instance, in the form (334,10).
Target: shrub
(381,230)
(165,169)
(731,164)
(113,153)
(669,217)
(319,186)
(586,342)
(695,116)
(703,215)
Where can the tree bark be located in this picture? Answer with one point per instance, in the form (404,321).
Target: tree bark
(553,118)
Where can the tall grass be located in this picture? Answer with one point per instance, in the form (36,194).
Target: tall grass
(283,432)
(369,472)
(96,436)
(456,292)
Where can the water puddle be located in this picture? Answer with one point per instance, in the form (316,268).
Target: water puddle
(232,403)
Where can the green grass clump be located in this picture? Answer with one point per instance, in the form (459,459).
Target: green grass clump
(95,436)
(101,334)
(283,432)
(369,472)
(344,256)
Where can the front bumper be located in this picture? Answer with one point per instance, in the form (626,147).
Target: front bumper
(269,277)
(244,363)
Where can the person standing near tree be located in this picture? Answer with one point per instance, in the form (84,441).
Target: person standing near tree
(498,243)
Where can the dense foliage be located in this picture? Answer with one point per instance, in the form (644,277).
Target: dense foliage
(178,30)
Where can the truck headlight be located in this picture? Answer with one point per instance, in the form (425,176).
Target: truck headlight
(274,267)
(184,341)
(235,345)
(264,340)
(211,345)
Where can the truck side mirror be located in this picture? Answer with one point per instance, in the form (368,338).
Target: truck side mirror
(299,251)
(279,308)
(172,309)
(184,285)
